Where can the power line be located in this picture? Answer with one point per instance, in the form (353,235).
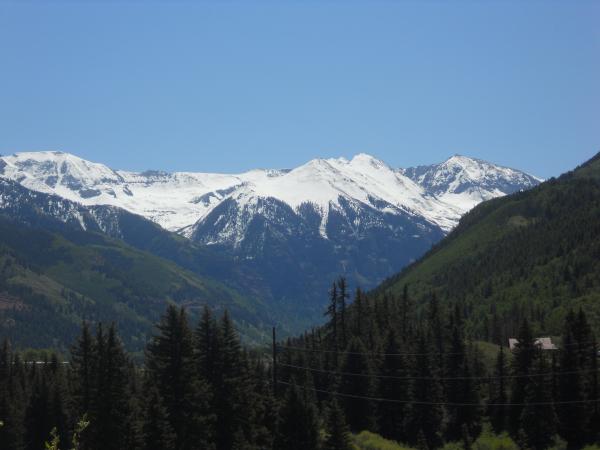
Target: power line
(316,350)
(305,349)
(394,377)
(418,402)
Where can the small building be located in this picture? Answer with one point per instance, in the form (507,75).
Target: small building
(544,343)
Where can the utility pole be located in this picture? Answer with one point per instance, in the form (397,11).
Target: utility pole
(274,368)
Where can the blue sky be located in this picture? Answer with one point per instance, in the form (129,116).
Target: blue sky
(228,86)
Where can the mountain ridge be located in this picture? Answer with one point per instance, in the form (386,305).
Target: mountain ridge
(291,231)
(192,196)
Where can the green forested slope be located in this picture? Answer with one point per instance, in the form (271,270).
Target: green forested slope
(533,254)
(51,281)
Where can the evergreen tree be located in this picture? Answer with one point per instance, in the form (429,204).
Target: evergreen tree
(357,379)
(83,368)
(338,434)
(110,407)
(157,430)
(12,400)
(394,385)
(58,398)
(341,300)
(232,391)
(405,313)
(207,347)
(358,308)
(461,390)
(38,422)
(427,413)
(538,418)
(332,313)
(298,424)
(570,386)
(134,439)
(498,395)
(171,367)
(525,353)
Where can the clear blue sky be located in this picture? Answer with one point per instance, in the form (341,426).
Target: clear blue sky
(228,86)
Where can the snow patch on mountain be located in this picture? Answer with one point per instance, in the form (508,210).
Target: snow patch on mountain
(181,201)
(465,182)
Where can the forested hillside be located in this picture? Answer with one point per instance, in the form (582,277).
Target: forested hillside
(533,254)
(415,376)
(52,280)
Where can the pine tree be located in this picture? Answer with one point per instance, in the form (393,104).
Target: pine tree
(83,365)
(232,394)
(12,400)
(157,430)
(332,313)
(171,367)
(570,386)
(405,313)
(338,434)
(206,352)
(58,398)
(263,414)
(109,407)
(587,362)
(461,391)
(359,412)
(298,423)
(134,439)
(498,395)
(341,300)
(538,418)
(394,385)
(38,422)
(427,412)
(357,313)
(524,357)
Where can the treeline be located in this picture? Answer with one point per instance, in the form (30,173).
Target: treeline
(198,389)
(418,379)
(377,365)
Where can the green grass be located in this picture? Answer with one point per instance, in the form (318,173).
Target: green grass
(490,441)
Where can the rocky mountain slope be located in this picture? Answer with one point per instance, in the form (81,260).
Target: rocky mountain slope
(295,229)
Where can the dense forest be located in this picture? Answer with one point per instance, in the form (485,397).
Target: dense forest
(415,376)
(379,366)
(198,389)
(533,254)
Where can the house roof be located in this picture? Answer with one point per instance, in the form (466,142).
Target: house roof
(545,343)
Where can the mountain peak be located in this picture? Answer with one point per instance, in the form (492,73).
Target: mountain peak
(459,159)
(464,181)
(438,193)
(364,159)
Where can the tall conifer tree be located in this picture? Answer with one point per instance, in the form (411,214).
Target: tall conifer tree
(171,366)
(298,422)
(359,412)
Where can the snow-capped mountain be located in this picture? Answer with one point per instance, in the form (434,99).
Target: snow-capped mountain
(439,193)
(297,228)
(464,182)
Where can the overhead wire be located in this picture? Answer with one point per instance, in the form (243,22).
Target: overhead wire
(395,377)
(420,402)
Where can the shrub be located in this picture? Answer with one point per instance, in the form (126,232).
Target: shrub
(371,441)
